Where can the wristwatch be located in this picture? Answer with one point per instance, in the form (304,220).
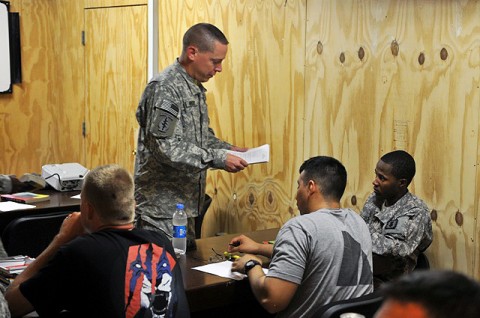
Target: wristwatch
(251,264)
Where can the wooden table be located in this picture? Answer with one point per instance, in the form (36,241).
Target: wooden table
(206,291)
(59,202)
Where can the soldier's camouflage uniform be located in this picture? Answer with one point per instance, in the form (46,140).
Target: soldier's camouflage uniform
(400,232)
(175,149)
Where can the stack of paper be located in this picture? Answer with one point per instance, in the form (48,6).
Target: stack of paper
(12,266)
(12,206)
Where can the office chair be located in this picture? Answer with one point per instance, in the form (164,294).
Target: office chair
(365,305)
(30,235)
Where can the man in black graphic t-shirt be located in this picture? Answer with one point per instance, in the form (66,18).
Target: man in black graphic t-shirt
(99,265)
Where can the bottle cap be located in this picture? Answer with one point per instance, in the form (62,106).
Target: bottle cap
(180,206)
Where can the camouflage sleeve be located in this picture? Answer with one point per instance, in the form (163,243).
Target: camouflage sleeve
(369,209)
(4,312)
(165,137)
(214,142)
(401,236)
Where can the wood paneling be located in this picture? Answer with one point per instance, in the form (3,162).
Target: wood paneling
(41,121)
(116,74)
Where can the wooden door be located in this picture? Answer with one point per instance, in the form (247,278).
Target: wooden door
(115,76)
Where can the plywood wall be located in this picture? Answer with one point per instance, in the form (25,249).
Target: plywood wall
(116,74)
(40,122)
(350,79)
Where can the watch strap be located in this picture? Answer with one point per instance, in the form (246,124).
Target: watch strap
(251,264)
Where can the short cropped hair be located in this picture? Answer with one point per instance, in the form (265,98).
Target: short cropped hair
(110,190)
(403,164)
(203,36)
(328,173)
(442,293)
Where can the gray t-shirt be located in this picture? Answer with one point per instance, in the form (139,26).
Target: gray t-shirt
(328,253)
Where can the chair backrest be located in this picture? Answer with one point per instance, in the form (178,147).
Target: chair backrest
(30,235)
(201,215)
(365,305)
(422,262)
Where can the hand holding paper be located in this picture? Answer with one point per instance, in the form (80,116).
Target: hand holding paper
(254,155)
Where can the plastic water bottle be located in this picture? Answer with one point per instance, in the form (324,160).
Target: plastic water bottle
(179,240)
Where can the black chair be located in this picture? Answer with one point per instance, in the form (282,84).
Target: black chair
(30,235)
(201,215)
(422,262)
(365,305)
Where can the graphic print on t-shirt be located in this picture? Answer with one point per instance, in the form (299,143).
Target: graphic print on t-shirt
(149,289)
(355,269)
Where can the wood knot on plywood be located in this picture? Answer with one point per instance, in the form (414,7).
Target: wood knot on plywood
(394,47)
(421,58)
(251,199)
(319,48)
(443,54)
(459,218)
(353,200)
(270,198)
(361,53)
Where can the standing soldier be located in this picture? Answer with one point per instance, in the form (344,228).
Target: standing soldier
(176,146)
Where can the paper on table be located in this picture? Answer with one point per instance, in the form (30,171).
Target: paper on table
(223,269)
(254,155)
(76,196)
(11,206)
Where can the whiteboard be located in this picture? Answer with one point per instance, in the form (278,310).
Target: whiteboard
(5,77)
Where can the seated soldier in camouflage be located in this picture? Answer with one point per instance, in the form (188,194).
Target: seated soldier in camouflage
(398,221)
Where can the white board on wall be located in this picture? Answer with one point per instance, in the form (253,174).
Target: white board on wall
(5,76)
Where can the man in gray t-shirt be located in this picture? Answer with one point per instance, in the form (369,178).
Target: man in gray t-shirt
(324,255)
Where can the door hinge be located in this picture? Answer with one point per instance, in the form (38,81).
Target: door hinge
(83,38)
(84,129)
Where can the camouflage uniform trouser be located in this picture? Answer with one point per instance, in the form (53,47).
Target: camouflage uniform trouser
(166,226)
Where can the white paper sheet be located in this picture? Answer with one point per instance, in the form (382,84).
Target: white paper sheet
(254,155)
(76,196)
(11,206)
(223,269)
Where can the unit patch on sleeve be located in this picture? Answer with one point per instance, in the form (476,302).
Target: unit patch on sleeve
(165,120)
